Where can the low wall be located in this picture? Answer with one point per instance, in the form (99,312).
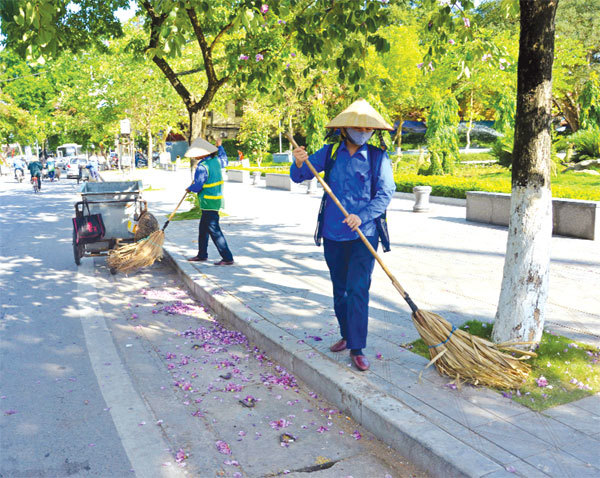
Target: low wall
(238,176)
(570,217)
(278,181)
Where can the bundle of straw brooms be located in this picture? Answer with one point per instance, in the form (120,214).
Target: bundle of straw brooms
(454,352)
(143,253)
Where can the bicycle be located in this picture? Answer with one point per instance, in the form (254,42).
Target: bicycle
(36,185)
(19,175)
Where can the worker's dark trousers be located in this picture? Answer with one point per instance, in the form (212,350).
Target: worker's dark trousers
(350,267)
(209,225)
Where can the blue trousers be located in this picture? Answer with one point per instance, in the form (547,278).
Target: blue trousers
(350,267)
(209,226)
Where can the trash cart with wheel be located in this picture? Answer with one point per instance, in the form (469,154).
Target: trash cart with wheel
(119,204)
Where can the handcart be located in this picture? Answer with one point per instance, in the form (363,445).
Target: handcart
(119,203)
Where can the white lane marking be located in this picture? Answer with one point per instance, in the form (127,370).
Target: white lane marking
(145,446)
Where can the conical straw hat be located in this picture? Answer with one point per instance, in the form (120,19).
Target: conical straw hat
(200,148)
(359,114)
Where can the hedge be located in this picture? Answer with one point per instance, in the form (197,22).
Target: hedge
(566,185)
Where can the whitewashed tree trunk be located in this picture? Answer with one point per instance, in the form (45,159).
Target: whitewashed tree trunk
(522,304)
(521,307)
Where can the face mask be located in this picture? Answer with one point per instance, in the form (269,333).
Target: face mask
(358,137)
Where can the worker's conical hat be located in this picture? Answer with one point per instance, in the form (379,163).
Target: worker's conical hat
(359,114)
(200,148)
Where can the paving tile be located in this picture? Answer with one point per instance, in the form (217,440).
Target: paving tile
(513,439)
(587,450)
(518,468)
(546,428)
(576,417)
(560,464)
(494,402)
(591,404)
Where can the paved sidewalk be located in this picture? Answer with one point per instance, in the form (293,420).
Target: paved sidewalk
(278,293)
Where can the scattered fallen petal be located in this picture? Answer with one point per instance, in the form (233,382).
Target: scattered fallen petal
(223,447)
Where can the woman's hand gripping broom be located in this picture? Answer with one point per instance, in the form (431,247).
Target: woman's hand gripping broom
(143,253)
(454,352)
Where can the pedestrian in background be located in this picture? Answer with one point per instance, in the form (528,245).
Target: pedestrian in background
(360,176)
(208,184)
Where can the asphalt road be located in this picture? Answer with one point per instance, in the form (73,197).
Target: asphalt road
(114,376)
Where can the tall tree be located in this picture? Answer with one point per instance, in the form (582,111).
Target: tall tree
(524,292)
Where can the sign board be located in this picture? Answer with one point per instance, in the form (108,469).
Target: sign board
(125,126)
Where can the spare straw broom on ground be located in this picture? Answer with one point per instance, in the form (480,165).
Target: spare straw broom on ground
(454,352)
(132,257)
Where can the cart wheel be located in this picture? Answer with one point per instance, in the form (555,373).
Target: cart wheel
(113,271)
(77,250)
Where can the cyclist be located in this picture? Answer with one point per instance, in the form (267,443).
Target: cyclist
(18,165)
(35,169)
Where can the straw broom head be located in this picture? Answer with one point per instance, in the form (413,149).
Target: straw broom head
(466,357)
(139,254)
(143,253)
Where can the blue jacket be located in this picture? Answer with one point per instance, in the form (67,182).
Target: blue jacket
(350,181)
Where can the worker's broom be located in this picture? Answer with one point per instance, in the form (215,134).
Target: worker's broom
(454,352)
(143,253)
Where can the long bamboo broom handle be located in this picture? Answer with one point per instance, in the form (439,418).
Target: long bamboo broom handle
(173,213)
(328,190)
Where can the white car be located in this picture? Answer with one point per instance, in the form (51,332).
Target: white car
(73,167)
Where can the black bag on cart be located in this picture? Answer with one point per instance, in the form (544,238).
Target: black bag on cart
(88,228)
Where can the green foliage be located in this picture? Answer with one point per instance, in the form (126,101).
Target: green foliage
(257,126)
(315,125)
(502,149)
(505,106)
(585,141)
(590,103)
(442,135)
(571,369)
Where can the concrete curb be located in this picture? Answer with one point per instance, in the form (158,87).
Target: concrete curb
(393,422)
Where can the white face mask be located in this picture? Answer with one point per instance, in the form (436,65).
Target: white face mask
(358,137)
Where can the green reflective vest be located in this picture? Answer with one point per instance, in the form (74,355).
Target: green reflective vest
(211,196)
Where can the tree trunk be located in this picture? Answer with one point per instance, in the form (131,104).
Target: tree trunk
(196,119)
(470,125)
(570,110)
(150,148)
(522,303)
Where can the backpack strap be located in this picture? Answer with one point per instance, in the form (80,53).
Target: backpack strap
(375,161)
(329,162)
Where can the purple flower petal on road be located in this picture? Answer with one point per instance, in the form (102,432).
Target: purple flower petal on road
(10,412)
(223,447)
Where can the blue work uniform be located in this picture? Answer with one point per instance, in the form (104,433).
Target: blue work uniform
(209,222)
(349,261)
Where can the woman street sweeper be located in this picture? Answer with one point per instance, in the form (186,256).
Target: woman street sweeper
(360,176)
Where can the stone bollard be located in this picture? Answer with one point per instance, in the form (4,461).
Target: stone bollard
(255,177)
(311,186)
(421,198)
